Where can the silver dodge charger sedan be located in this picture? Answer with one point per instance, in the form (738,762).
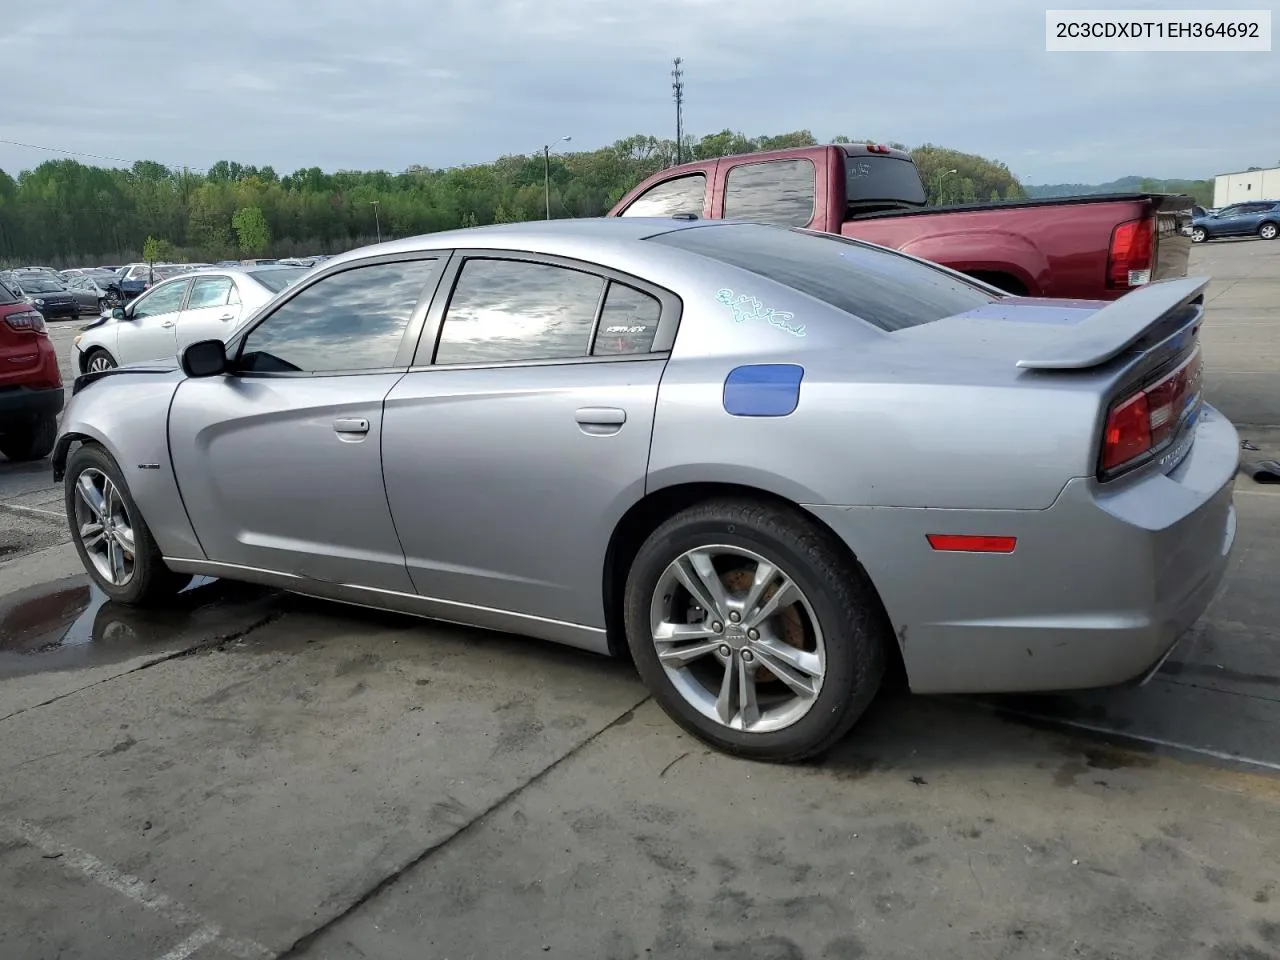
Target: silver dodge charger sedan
(767,463)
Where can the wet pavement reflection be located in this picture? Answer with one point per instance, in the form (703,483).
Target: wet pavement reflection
(71,623)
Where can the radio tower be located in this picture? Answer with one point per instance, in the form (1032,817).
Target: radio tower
(677,91)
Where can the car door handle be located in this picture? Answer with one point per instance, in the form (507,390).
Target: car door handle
(227,316)
(167,324)
(351,425)
(600,421)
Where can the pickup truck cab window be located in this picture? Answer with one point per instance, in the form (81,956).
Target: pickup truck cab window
(782,192)
(670,197)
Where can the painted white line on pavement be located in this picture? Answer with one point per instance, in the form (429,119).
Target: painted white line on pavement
(201,938)
(1259,493)
(139,891)
(18,508)
(1154,741)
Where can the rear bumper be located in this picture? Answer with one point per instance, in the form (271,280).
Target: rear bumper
(1100,587)
(25,402)
(60,309)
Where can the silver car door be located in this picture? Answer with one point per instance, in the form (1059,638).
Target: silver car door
(509,460)
(279,463)
(148,331)
(209,313)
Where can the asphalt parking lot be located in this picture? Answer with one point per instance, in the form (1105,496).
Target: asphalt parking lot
(250,774)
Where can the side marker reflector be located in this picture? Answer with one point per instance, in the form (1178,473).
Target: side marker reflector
(958,543)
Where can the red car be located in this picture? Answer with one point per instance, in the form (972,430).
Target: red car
(30,384)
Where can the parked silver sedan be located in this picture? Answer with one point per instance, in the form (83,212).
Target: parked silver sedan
(182,310)
(765,462)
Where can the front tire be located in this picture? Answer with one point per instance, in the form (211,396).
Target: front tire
(1198,235)
(98,360)
(113,541)
(31,441)
(754,630)
(1267,231)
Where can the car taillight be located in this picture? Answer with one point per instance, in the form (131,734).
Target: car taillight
(31,321)
(1131,254)
(1142,424)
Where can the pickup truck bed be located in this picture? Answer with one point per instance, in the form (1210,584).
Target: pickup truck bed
(1058,247)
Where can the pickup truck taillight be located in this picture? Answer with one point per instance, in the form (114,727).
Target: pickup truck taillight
(1132,253)
(32,321)
(1144,423)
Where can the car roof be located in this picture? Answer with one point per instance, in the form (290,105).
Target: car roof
(553,237)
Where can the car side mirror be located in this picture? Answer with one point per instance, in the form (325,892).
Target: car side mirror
(117,313)
(205,358)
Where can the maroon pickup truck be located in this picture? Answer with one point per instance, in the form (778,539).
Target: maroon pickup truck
(1090,247)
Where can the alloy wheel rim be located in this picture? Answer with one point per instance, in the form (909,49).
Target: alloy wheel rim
(737,638)
(1197,235)
(103,527)
(1269,232)
(100,363)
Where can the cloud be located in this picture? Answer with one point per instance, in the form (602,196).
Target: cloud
(391,83)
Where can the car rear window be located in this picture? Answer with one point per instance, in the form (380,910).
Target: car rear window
(875,177)
(886,289)
(277,278)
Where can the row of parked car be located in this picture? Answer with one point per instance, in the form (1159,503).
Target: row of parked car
(70,293)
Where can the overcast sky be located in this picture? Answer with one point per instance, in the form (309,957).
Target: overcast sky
(390,83)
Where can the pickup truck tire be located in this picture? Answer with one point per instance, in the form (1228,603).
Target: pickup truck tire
(1268,231)
(30,441)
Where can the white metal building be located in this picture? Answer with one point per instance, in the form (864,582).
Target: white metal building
(1251,185)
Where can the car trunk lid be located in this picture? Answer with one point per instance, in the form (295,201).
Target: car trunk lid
(1140,353)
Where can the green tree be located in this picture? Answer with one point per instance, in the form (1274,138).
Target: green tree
(157,251)
(252,233)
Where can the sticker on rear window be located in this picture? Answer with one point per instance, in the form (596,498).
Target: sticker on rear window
(746,308)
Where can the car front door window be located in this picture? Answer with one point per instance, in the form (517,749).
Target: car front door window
(680,195)
(348,321)
(166,298)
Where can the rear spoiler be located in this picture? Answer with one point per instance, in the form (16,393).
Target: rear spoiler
(1116,327)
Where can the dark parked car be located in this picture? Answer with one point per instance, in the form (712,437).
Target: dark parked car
(1259,218)
(30,385)
(49,295)
(92,292)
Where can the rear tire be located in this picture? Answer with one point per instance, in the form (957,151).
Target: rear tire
(148,580)
(30,441)
(838,609)
(1267,231)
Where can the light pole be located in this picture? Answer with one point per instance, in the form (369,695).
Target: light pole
(945,173)
(546,171)
(377,222)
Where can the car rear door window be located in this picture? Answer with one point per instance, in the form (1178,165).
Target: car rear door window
(349,321)
(628,322)
(209,292)
(507,310)
(774,191)
(680,195)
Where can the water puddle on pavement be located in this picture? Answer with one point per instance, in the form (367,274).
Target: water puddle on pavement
(69,622)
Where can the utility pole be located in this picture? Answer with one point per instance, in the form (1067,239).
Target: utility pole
(677,92)
(377,222)
(546,171)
